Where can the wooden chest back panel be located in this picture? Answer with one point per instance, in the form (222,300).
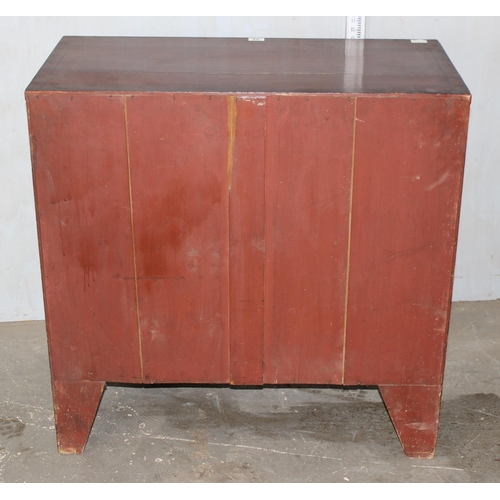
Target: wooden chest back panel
(212,234)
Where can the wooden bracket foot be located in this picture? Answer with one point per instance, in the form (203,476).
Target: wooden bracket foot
(414,411)
(75,407)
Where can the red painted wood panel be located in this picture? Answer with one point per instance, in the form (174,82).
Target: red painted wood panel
(308,173)
(407,184)
(247,239)
(82,202)
(179,175)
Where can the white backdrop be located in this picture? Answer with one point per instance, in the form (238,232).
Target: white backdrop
(473,44)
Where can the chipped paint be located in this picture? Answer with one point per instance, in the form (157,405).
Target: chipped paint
(438,182)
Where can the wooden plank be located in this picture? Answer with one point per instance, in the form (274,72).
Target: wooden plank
(408,171)
(308,165)
(178,159)
(82,202)
(247,239)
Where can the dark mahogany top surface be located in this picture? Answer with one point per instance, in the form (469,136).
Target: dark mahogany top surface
(144,64)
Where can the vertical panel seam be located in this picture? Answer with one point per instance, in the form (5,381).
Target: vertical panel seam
(264,267)
(232,111)
(129,171)
(348,263)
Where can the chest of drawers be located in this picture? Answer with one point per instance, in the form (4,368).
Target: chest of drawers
(250,213)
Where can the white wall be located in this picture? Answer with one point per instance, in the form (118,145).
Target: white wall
(473,44)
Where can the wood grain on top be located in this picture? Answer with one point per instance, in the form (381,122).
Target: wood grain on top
(167,64)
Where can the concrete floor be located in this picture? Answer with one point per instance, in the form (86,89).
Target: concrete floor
(278,435)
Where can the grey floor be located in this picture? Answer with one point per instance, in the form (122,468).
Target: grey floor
(278,435)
